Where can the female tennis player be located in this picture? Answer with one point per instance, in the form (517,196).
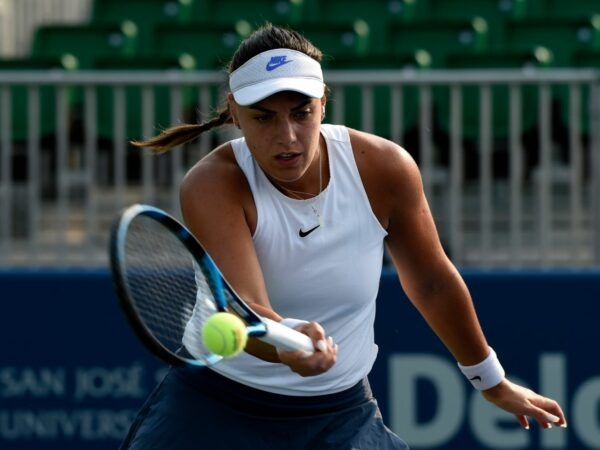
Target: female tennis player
(297,214)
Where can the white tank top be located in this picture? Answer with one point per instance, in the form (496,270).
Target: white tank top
(330,274)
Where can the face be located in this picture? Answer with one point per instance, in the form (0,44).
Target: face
(282,132)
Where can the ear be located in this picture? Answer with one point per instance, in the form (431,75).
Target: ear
(233,110)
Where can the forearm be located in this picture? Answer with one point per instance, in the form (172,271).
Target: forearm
(262,350)
(445,303)
(319,360)
(304,363)
(256,347)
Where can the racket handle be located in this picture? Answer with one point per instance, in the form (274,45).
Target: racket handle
(286,338)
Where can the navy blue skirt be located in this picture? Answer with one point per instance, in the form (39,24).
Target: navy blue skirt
(200,409)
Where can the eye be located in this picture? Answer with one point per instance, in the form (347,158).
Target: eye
(302,114)
(262,118)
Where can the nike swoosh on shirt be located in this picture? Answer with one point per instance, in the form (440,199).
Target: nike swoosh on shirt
(303,233)
(477,377)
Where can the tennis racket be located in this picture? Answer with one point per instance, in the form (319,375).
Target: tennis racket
(168,286)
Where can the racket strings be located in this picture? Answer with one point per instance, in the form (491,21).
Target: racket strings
(169,291)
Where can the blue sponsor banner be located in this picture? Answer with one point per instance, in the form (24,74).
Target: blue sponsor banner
(72,374)
(544,327)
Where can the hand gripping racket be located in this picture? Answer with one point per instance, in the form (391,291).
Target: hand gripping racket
(168,286)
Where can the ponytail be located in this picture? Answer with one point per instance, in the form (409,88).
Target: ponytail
(181,134)
(267,37)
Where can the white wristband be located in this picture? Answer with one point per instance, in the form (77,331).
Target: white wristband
(486,374)
(292,323)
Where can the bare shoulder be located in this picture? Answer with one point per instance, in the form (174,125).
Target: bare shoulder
(214,175)
(387,170)
(215,183)
(380,155)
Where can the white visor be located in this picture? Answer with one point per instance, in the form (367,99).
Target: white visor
(275,71)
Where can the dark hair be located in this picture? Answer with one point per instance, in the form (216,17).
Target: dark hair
(267,37)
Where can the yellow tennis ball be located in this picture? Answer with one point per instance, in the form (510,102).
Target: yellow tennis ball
(224,334)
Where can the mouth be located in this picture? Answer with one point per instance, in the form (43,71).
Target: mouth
(287,156)
(288,166)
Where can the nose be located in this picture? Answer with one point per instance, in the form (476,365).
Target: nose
(286,132)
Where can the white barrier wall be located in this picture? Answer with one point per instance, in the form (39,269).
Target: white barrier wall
(19,18)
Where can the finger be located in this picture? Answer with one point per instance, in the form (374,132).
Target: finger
(322,345)
(314,331)
(545,419)
(550,412)
(550,420)
(523,421)
(317,334)
(327,345)
(558,419)
(293,355)
(333,344)
(562,423)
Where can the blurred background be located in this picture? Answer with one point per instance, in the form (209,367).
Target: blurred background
(497,100)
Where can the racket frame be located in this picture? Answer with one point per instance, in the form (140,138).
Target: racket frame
(265,329)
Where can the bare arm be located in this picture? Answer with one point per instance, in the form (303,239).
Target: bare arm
(218,207)
(428,277)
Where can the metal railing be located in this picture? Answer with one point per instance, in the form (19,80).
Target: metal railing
(60,192)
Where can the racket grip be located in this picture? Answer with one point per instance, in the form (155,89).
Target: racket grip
(286,338)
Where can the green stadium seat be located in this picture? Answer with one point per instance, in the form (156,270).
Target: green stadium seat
(417,60)
(524,9)
(344,10)
(466,9)
(439,38)
(85,42)
(563,9)
(500,94)
(255,12)
(151,11)
(382,94)
(341,39)
(586,58)
(452,10)
(379,10)
(564,41)
(529,134)
(344,39)
(495,13)
(377,14)
(211,45)
(561,36)
(19,97)
(495,60)
(82,46)
(146,14)
(133,96)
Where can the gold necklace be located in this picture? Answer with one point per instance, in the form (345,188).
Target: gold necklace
(299,194)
